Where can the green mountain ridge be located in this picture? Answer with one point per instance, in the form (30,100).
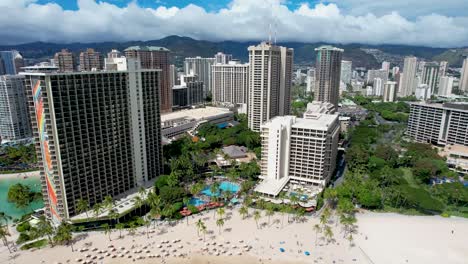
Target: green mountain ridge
(183,47)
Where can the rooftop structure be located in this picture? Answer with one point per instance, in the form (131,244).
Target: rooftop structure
(180,122)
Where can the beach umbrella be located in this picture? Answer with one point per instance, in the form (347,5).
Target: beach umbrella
(129,256)
(78,260)
(282,249)
(108,254)
(158,256)
(95,249)
(114,256)
(307,253)
(180,246)
(148,251)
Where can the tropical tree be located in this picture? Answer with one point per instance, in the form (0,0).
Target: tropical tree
(294,199)
(331,196)
(120,227)
(221,212)
(45,229)
(243,211)
(317,230)
(269,212)
(107,230)
(82,206)
(186,202)
(220,223)
(108,203)
(114,215)
(196,188)
(64,234)
(97,209)
(203,230)
(199,225)
(4,218)
(139,202)
(4,234)
(328,232)
(257,215)
(348,222)
(325,216)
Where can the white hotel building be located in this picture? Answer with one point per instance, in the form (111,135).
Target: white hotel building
(299,150)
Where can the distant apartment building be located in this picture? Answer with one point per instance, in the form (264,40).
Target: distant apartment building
(386,66)
(346,72)
(97,134)
(202,68)
(222,58)
(188,93)
(423,92)
(390,92)
(230,83)
(64,61)
(115,61)
(298,149)
(14,113)
(310,80)
(443,67)
(446,85)
(463,86)
(407,82)
(374,74)
(378,85)
(91,60)
(439,124)
(431,76)
(270,80)
(327,74)
(11,62)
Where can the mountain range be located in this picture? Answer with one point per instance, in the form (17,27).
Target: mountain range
(304,54)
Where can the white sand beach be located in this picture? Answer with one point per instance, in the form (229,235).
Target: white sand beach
(382,238)
(20,175)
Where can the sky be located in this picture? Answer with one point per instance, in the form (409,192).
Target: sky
(433,23)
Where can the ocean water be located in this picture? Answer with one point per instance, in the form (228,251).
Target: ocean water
(10,208)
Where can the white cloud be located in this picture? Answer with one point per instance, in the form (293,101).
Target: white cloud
(26,21)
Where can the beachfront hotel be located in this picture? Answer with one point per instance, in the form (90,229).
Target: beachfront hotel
(97,134)
(439,124)
(299,150)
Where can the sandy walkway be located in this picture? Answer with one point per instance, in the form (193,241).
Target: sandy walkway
(391,238)
(20,175)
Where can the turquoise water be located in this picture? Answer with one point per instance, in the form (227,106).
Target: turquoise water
(10,208)
(223,186)
(196,201)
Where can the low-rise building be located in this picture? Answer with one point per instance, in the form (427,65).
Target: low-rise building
(180,122)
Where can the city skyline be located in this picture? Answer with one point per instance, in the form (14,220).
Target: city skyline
(347,21)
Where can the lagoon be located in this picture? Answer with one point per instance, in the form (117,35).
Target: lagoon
(10,208)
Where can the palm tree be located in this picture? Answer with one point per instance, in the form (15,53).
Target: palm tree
(97,209)
(284,210)
(64,234)
(243,211)
(203,230)
(257,216)
(221,212)
(139,202)
(317,230)
(45,229)
(331,196)
(220,223)
(186,202)
(108,202)
(114,215)
(325,216)
(199,225)
(4,217)
(120,227)
(294,199)
(328,232)
(82,206)
(214,188)
(269,212)
(3,234)
(107,230)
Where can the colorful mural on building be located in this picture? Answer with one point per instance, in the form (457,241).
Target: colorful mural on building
(46,158)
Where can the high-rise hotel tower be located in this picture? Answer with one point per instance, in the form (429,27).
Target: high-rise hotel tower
(327,74)
(97,134)
(270,76)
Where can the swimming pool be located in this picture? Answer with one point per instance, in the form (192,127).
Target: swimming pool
(196,201)
(224,186)
(302,198)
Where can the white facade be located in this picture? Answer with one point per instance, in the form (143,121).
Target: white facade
(270,73)
(230,83)
(423,92)
(430,76)
(395,71)
(373,74)
(346,71)
(115,64)
(389,92)
(223,58)
(446,85)
(464,76)
(386,66)
(202,68)
(443,67)
(378,86)
(310,80)
(407,83)
(298,149)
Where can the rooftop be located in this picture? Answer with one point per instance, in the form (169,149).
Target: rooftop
(317,121)
(146,48)
(234,151)
(327,47)
(461,106)
(198,113)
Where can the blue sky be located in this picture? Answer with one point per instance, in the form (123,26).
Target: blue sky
(433,23)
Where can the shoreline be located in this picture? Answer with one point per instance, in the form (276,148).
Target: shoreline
(380,238)
(21,175)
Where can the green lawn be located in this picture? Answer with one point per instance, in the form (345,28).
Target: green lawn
(37,244)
